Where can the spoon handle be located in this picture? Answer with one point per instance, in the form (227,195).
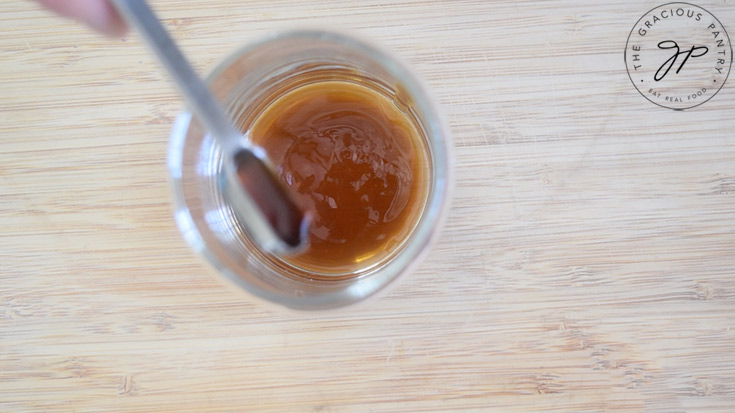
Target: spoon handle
(191,86)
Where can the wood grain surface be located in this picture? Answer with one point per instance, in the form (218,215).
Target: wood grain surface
(588,262)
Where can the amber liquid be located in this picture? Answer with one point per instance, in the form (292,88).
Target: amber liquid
(355,161)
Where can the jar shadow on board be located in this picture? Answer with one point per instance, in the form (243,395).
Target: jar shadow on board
(358,140)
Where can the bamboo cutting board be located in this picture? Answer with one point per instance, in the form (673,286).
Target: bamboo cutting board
(588,262)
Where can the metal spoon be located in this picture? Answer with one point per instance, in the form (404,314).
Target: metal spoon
(268,212)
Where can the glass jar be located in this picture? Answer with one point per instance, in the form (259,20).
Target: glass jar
(246,83)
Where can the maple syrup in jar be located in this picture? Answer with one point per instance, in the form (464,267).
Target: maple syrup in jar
(355,160)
